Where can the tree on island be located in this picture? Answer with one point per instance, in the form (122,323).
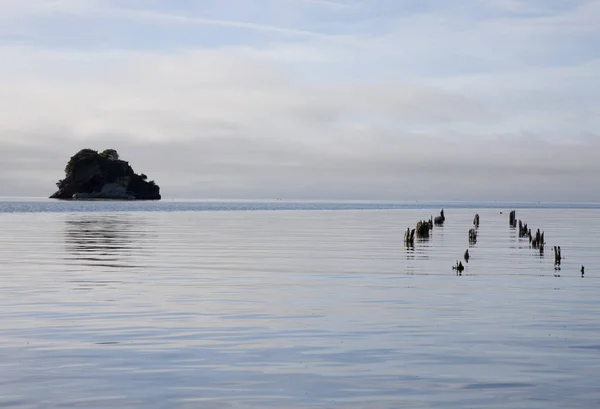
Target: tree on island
(79,156)
(110,154)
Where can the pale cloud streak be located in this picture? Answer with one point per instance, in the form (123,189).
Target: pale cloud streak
(326,3)
(107,10)
(167,18)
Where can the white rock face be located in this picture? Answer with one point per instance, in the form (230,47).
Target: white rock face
(109,191)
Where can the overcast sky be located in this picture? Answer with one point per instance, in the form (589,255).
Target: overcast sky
(307,99)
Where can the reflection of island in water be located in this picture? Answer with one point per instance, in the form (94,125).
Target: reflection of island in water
(103,240)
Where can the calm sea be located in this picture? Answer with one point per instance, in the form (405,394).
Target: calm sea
(295,305)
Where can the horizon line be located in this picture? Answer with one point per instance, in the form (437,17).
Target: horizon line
(329,200)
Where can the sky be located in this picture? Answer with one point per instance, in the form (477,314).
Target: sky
(307,99)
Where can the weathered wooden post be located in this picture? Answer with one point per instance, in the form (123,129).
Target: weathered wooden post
(472,236)
(440,219)
(423,227)
(409,237)
(557,256)
(458,267)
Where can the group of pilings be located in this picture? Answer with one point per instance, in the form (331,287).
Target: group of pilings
(423,229)
(536,241)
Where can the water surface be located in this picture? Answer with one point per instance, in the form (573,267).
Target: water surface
(113,305)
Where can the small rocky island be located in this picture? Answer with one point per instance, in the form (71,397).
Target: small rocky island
(93,175)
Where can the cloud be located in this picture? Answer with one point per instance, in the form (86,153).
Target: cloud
(146,95)
(428,103)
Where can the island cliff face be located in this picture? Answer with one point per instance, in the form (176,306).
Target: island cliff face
(93,175)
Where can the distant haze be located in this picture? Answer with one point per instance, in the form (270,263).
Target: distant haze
(307,99)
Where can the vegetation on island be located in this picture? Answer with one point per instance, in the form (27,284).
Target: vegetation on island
(90,174)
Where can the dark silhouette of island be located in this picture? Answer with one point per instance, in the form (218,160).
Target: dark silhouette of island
(93,175)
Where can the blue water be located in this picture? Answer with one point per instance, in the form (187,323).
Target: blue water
(183,305)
